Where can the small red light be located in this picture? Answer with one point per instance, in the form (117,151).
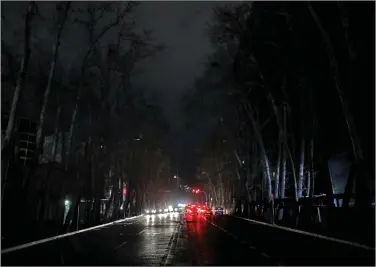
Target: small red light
(124,191)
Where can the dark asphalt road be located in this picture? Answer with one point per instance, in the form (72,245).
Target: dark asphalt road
(162,240)
(291,248)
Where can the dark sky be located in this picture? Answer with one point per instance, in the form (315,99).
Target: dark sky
(180,26)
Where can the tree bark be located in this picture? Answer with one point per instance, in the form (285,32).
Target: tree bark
(83,72)
(51,75)
(281,125)
(22,75)
(312,169)
(283,178)
(45,195)
(278,171)
(362,191)
(264,160)
(301,168)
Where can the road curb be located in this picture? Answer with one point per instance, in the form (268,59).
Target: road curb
(33,243)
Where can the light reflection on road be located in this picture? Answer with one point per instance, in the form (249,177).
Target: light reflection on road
(155,239)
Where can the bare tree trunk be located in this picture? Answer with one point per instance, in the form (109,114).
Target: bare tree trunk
(76,214)
(55,52)
(254,170)
(362,191)
(63,147)
(73,121)
(345,24)
(281,125)
(219,182)
(283,178)
(109,204)
(278,171)
(312,169)
(22,75)
(301,168)
(45,198)
(116,200)
(264,160)
(93,43)
(308,191)
(6,144)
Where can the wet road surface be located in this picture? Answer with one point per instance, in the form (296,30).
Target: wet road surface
(202,243)
(140,241)
(169,240)
(288,247)
(148,240)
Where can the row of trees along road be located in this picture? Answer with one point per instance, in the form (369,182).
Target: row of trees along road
(284,81)
(74,63)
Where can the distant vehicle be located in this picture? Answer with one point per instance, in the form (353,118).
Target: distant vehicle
(191,213)
(202,209)
(158,209)
(205,210)
(150,211)
(218,211)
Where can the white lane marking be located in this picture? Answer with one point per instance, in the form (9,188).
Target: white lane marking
(309,234)
(62,236)
(141,232)
(119,246)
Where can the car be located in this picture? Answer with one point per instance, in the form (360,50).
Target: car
(160,211)
(191,213)
(218,211)
(205,210)
(150,211)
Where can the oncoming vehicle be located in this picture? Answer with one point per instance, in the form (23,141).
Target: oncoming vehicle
(150,211)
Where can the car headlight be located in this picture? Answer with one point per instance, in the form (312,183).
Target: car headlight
(147,211)
(160,210)
(153,211)
(165,210)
